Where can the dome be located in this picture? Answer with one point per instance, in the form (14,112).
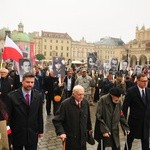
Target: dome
(23,37)
(2,33)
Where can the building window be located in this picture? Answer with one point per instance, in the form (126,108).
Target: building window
(44,46)
(61,47)
(44,40)
(44,53)
(56,54)
(50,53)
(67,48)
(51,41)
(51,47)
(67,42)
(67,54)
(56,41)
(56,47)
(62,41)
(61,54)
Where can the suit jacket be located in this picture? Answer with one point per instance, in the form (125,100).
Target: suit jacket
(139,116)
(26,122)
(72,82)
(74,122)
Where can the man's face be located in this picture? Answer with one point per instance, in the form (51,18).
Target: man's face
(28,83)
(114,64)
(26,66)
(79,95)
(142,82)
(115,99)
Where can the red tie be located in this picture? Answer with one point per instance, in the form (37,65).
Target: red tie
(79,104)
(27,99)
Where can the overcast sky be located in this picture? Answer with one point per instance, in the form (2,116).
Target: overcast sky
(91,19)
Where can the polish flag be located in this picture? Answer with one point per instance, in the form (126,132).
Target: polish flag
(11,50)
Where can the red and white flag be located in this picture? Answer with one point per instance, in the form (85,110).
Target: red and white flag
(11,50)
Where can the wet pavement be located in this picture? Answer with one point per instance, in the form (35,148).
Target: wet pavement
(51,142)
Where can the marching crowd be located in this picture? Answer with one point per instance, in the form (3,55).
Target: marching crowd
(21,105)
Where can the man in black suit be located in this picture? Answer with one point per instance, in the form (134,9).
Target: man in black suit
(26,115)
(69,84)
(137,98)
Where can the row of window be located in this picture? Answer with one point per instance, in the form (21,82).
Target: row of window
(57,41)
(56,54)
(56,48)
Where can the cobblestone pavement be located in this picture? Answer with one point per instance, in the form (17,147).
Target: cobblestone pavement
(51,142)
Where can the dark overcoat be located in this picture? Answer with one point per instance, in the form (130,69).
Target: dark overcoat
(74,122)
(107,121)
(139,117)
(26,122)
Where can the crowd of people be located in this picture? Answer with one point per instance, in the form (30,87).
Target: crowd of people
(21,105)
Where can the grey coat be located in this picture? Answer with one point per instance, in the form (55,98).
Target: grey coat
(108,119)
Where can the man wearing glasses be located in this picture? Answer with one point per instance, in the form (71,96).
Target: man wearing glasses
(138,100)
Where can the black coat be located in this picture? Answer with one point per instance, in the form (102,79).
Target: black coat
(139,117)
(72,82)
(50,85)
(74,122)
(26,122)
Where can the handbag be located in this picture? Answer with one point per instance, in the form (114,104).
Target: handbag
(90,138)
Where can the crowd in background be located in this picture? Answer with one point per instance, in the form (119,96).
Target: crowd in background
(95,84)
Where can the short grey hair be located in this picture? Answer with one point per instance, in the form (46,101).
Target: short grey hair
(77,88)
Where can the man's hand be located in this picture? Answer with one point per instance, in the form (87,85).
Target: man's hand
(63,137)
(106,135)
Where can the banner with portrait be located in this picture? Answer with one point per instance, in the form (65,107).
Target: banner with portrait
(124,67)
(114,64)
(25,66)
(137,70)
(92,60)
(59,66)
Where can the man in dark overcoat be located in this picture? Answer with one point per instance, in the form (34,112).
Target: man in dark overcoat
(108,117)
(139,116)
(26,115)
(72,121)
(69,83)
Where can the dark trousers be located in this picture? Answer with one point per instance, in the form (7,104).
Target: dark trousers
(68,94)
(144,143)
(31,147)
(48,104)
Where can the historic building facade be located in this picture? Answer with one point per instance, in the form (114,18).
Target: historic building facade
(80,50)
(52,44)
(139,49)
(109,47)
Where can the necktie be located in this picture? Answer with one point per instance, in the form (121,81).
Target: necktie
(143,97)
(27,99)
(79,104)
